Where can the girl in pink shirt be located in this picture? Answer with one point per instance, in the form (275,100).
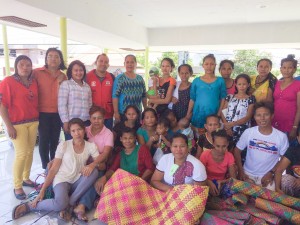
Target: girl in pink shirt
(218,162)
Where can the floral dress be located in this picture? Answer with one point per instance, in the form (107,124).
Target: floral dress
(236,110)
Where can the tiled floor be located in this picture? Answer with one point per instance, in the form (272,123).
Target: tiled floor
(7,198)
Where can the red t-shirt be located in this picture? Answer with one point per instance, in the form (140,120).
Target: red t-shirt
(216,170)
(21,101)
(144,161)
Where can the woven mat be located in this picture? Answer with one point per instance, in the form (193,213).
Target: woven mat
(127,199)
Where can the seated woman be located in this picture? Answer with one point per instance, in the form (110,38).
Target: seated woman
(178,167)
(135,159)
(218,162)
(289,184)
(68,173)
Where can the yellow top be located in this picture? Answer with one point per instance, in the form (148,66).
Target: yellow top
(261,91)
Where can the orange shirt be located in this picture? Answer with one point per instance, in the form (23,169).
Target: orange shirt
(48,85)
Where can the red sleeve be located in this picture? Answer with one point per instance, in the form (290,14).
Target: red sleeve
(5,93)
(230,159)
(172,81)
(203,157)
(145,159)
(116,163)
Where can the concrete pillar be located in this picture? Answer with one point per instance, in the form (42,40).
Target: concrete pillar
(6,50)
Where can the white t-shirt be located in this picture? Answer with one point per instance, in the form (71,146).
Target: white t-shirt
(72,163)
(263,151)
(194,170)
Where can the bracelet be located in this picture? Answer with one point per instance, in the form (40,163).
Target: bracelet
(272,172)
(295,127)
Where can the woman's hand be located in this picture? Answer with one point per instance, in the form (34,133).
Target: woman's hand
(267,179)
(99,185)
(87,170)
(228,126)
(12,133)
(242,176)
(39,198)
(117,117)
(213,190)
(174,100)
(292,134)
(66,127)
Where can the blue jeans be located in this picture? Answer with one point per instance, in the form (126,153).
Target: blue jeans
(91,195)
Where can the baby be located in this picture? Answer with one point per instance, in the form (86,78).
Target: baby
(184,126)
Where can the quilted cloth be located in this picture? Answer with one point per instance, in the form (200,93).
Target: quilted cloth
(257,191)
(127,199)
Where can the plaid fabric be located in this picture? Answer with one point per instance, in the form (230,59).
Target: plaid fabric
(127,199)
(257,191)
(279,210)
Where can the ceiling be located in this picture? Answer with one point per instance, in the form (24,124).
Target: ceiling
(165,24)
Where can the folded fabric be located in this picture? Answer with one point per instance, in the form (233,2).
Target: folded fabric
(253,190)
(239,198)
(257,221)
(208,219)
(230,216)
(279,210)
(127,199)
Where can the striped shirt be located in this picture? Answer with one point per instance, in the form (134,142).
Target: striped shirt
(74,101)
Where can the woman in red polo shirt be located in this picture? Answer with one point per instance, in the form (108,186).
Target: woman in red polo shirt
(19,111)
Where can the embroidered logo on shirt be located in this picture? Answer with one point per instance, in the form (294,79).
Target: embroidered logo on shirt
(93,84)
(107,83)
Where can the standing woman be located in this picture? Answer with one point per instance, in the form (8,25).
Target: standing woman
(166,86)
(181,103)
(129,89)
(207,94)
(264,83)
(287,99)
(19,111)
(74,97)
(49,77)
(225,69)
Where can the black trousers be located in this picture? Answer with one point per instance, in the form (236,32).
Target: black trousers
(49,131)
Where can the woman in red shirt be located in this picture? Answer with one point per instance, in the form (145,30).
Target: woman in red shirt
(19,111)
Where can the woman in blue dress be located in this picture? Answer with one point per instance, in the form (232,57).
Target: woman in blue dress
(208,93)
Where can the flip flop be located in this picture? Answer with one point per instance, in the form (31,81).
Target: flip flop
(20,210)
(20,196)
(31,184)
(65,215)
(81,216)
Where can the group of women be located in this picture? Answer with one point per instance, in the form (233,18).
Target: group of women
(44,98)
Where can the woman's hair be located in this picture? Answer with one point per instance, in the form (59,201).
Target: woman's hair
(95,109)
(149,110)
(209,56)
(62,65)
(18,59)
(266,105)
(70,67)
(128,130)
(290,58)
(247,78)
(264,59)
(219,133)
(164,121)
(130,55)
(77,121)
(169,60)
(179,135)
(231,63)
(138,112)
(188,66)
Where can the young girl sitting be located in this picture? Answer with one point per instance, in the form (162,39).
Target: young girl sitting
(205,140)
(239,108)
(218,162)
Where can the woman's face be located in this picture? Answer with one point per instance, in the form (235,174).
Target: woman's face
(97,120)
(149,119)
(53,60)
(209,66)
(220,146)
(226,70)
(172,119)
(77,132)
(184,73)
(24,68)
(77,73)
(287,69)
(264,68)
(131,114)
(166,67)
(179,148)
(242,85)
(130,64)
(128,140)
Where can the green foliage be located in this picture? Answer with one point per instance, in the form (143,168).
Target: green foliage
(245,61)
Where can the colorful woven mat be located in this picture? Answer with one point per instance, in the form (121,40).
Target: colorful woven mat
(279,210)
(208,219)
(127,199)
(238,218)
(257,221)
(257,191)
(239,198)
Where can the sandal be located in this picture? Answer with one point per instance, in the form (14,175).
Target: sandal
(20,210)
(20,196)
(81,216)
(65,215)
